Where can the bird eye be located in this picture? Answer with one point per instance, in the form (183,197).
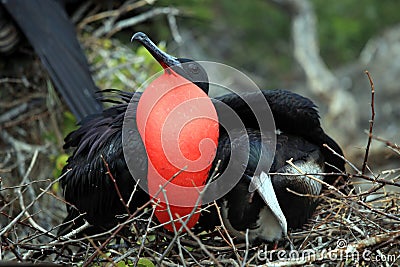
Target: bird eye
(194,68)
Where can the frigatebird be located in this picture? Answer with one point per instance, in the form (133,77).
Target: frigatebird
(267,212)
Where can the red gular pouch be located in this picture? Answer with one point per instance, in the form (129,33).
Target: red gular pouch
(179,127)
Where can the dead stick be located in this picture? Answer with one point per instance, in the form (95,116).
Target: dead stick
(202,246)
(371,122)
(115,185)
(388,143)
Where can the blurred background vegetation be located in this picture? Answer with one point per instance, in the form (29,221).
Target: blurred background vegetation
(254,36)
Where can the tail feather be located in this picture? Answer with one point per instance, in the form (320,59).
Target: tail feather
(49,30)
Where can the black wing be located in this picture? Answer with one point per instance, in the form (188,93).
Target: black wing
(293,114)
(87,185)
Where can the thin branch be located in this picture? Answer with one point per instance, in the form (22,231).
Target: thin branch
(18,217)
(215,261)
(343,158)
(75,231)
(246,253)
(388,143)
(232,244)
(115,186)
(371,122)
(114,13)
(21,196)
(110,30)
(358,201)
(377,180)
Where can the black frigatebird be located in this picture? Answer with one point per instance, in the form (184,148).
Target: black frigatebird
(267,212)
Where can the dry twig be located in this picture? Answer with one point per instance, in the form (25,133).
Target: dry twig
(371,122)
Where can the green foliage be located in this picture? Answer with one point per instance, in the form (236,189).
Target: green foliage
(256,35)
(257,31)
(198,10)
(122,264)
(345,26)
(69,123)
(60,162)
(119,65)
(148,60)
(244,34)
(196,15)
(143,262)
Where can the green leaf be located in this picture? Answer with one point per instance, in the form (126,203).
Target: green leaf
(69,123)
(121,264)
(61,161)
(144,262)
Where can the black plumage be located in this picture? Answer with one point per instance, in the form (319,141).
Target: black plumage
(86,183)
(300,138)
(241,208)
(293,114)
(91,190)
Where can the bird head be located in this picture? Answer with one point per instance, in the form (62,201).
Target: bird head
(187,68)
(264,188)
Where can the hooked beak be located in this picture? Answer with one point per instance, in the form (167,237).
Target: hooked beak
(165,60)
(263,185)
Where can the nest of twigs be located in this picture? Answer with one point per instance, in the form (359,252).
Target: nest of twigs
(362,228)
